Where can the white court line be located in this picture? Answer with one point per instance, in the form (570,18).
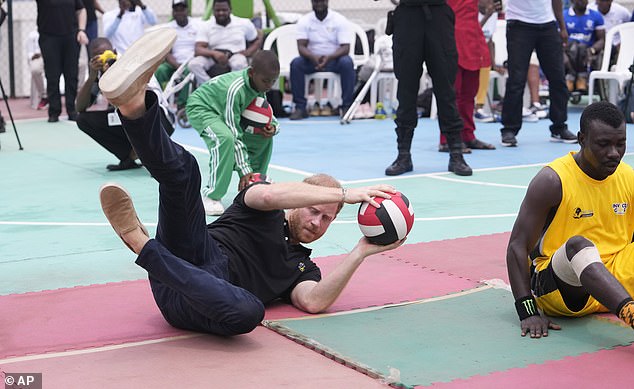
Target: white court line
(64,224)
(281,168)
(445,178)
(370,309)
(95,349)
(419,219)
(441,218)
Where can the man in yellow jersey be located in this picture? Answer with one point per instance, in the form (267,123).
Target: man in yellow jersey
(571,251)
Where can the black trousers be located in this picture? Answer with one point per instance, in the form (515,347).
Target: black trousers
(112,138)
(426,34)
(61,56)
(521,39)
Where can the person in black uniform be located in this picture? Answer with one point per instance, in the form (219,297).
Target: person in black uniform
(61,25)
(424,32)
(216,278)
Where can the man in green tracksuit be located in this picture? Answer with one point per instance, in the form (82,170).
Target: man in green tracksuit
(214,110)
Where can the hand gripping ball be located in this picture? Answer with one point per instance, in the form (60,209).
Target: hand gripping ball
(256,116)
(392,221)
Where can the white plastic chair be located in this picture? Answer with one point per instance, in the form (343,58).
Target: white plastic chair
(285,39)
(619,73)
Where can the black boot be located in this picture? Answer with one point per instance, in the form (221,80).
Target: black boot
(402,164)
(457,164)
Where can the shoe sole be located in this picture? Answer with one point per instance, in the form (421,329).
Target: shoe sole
(508,144)
(102,191)
(127,75)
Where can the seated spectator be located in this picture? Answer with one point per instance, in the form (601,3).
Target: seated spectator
(97,118)
(182,50)
(127,23)
(323,40)
(226,41)
(613,15)
(36,64)
(586,37)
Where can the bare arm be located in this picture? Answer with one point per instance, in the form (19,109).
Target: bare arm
(315,297)
(302,48)
(98,7)
(543,196)
(82,38)
(289,195)
(254,45)
(559,16)
(202,49)
(84,95)
(170,59)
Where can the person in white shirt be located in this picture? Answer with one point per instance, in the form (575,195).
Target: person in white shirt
(613,15)
(226,40)
(126,24)
(324,38)
(36,65)
(183,49)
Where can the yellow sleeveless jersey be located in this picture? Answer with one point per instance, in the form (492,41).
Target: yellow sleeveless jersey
(597,210)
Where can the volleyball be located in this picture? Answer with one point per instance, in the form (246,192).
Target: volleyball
(392,221)
(256,116)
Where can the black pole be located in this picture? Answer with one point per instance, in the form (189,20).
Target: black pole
(11,55)
(6,101)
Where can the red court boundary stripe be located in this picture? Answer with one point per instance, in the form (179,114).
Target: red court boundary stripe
(115,313)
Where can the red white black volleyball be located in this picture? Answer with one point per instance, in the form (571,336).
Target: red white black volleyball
(256,116)
(392,221)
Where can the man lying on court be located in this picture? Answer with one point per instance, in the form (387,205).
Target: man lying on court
(576,226)
(215,278)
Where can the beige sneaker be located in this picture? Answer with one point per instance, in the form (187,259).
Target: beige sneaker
(133,70)
(119,210)
(213,207)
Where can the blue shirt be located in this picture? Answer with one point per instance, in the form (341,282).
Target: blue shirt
(583,28)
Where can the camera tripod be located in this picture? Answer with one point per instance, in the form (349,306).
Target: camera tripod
(6,101)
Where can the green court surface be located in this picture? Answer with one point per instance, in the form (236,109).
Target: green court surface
(439,340)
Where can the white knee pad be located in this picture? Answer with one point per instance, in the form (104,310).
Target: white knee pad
(569,270)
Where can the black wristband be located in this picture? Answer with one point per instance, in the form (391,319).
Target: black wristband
(526,307)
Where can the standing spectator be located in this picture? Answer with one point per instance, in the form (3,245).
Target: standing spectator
(487,16)
(92,27)
(226,40)
(98,119)
(473,54)
(424,33)
(62,28)
(535,25)
(323,40)
(127,23)
(183,48)
(586,38)
(36,64)
(215,109)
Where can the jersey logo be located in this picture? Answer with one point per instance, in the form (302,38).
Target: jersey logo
(589,24)
(619,208)
(580,213)
(301,266)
